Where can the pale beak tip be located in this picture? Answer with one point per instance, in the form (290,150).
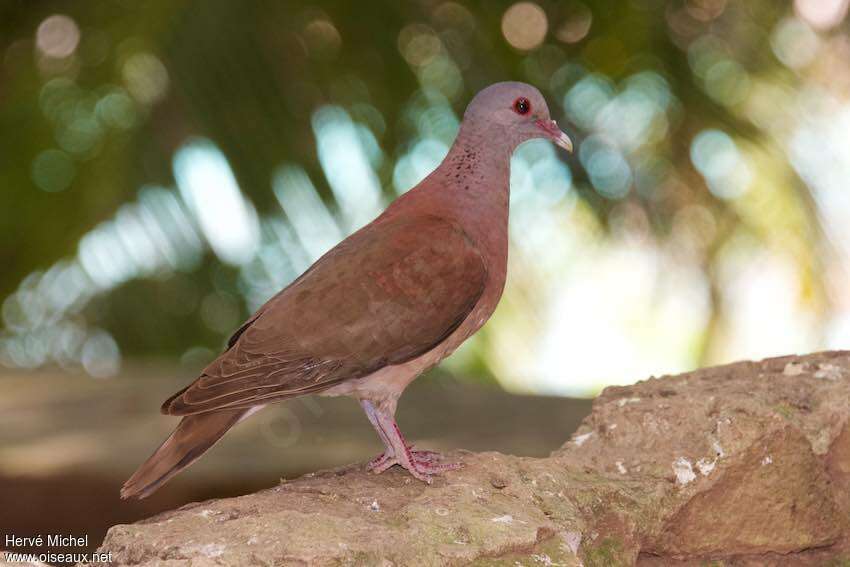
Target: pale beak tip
(564,141)
(550,128)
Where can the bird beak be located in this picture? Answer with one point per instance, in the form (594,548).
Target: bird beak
(551,130)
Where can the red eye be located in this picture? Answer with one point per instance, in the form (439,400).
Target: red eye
(522,106)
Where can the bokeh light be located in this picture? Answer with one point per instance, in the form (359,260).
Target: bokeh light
(208,186)
(716,156)
(53,170)
(322,38)
(314,225)
(794,43)
(822,14)
(57,36)
(576,25)
(345,161)
(524,25)
(100,356)
(146,77)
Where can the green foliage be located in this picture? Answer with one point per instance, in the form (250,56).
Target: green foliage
(90,129)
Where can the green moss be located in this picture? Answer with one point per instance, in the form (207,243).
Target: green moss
(357,559)
(608,553)
(784,410)
(551,551)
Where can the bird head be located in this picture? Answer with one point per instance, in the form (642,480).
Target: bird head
(514,112)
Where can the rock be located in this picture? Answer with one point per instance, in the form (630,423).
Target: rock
(748,463)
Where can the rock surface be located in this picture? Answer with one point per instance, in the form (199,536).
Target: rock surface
(745,464)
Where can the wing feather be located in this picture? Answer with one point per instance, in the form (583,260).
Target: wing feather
(387,294)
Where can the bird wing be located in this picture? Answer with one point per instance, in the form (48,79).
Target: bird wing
(389,293)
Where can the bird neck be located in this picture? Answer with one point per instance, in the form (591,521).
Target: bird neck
(475,175)
(471,185)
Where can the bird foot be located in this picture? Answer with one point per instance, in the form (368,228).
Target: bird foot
(379,461)
(420,464)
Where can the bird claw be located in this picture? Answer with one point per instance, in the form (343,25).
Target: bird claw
(420,464)
(380,460)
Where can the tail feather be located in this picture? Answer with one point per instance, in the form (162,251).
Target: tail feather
(193,436)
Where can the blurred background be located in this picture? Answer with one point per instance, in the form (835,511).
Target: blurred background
(167,166)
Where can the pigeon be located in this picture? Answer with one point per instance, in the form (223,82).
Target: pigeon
(384,305)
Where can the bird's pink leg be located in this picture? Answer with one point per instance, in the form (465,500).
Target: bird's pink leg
(420,464)
(387,455)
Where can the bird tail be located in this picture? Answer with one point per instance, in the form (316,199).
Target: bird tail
(193,436)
